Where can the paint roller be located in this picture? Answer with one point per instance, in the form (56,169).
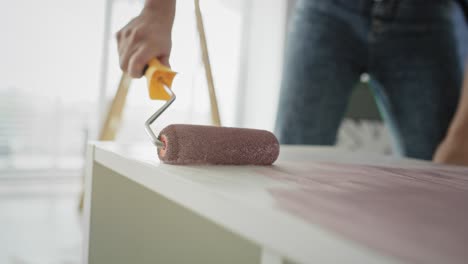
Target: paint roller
(196,144)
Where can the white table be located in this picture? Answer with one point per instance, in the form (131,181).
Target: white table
(138,210)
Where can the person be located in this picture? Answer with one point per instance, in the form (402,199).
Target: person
(406,46)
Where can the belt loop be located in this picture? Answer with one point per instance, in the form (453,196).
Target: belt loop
(393,6)
(385,9)
(365,6)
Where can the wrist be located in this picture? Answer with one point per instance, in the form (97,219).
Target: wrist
(161,10)
(162,7)
(151,4)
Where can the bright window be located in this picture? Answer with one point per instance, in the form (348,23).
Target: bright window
(50,75)
(48,86)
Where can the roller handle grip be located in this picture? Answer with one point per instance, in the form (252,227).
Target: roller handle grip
(158,75)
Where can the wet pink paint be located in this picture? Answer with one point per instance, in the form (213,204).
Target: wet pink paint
(417,214)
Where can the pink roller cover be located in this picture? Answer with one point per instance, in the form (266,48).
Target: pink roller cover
(195,144)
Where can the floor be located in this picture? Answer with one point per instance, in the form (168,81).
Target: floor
(39,220)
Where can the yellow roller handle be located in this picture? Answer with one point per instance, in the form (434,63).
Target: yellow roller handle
(157,76)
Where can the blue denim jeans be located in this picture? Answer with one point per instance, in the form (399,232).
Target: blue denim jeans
(406,46)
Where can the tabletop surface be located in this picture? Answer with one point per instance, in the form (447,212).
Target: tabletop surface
(318,202)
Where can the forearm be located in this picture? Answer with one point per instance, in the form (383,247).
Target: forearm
(459,126)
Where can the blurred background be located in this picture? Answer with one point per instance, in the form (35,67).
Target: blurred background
(59,70)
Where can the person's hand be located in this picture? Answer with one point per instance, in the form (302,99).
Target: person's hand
(453,150)
(145,37)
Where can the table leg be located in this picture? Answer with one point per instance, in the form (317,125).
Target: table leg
(270,257)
